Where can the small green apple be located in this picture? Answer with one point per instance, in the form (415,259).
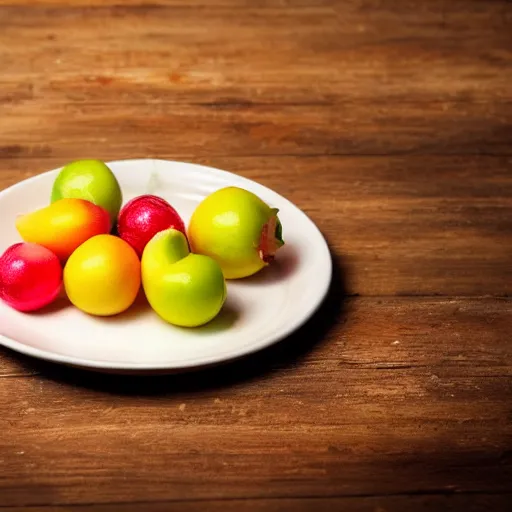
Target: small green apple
(183,288)
(91,180)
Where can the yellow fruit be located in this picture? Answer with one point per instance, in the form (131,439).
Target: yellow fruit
(102,277)
(237,229)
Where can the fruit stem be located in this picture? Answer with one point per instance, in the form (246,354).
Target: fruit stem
(271,238)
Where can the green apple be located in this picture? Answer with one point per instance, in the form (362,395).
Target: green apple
(91,180)
(183,288)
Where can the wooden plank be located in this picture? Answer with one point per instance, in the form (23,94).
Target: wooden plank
(383,403)
(406,396)
(378,334)
(472,503)
(396,225)
(270,52)
(39,128)
(232,4)
(16,367)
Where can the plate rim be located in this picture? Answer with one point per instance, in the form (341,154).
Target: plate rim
(207,361)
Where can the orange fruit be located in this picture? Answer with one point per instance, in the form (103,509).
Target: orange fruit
(63,225)
(102,277)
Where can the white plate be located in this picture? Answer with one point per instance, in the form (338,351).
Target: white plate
(259,311)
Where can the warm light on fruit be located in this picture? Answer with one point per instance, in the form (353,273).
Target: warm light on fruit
(185,289)
(91,180)
(102,254)
(102,277)
(30,276)
(143,217)
(236,228)
(63,225)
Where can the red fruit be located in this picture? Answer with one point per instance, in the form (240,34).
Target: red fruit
(30,276)
(143,217)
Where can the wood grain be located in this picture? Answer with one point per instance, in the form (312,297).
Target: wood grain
(397,225)
(387,415)
(189,131)
(473,503)
(271,52)
(389,124)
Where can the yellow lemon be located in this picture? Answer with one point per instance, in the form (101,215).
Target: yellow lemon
(102,277)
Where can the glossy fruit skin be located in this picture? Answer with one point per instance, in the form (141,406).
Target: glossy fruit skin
(228,226)
(184,289)
(102,277)
(92,180)
(30,277)
(143,217)
(63,225)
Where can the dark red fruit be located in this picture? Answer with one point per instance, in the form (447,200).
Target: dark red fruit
(143,217)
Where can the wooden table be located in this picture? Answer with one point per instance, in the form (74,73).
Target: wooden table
(390,124)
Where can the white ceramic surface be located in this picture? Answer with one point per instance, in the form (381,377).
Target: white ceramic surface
(259,311)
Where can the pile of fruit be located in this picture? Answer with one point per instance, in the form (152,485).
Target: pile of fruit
(101,253)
